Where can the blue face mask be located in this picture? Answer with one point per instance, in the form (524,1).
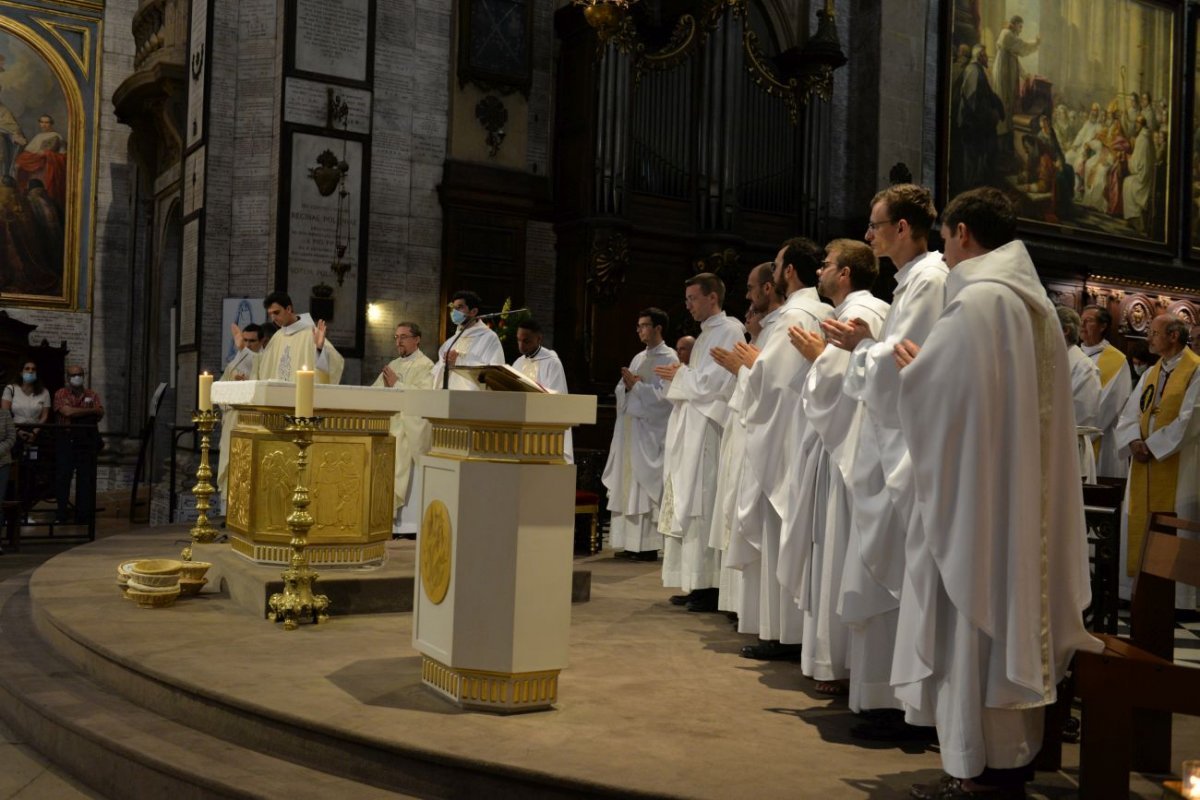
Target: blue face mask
(458,317)
(29,377)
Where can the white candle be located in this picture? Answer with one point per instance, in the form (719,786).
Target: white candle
(304,392)
(205,391)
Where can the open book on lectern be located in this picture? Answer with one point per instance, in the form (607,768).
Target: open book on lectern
(502,378)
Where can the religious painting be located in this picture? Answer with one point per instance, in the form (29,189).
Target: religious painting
(40,162)
(1069,106)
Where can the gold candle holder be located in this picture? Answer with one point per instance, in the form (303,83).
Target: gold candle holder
(297,602)
(202,531)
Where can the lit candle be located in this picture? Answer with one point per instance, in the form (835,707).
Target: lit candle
(1191,779)
(304,392)
(205,391)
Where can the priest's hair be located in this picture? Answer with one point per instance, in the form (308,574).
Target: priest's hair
(530,324)
(658,317)
(413,328)
(987,213)
(911,203)
(859,258)
(1178,327)
(1070,322)
(282,299)
(709,283)
(765,272)
(804,256)
(474,303)
(1102,316)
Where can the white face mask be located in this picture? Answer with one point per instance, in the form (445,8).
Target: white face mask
(76,380)
(458,317)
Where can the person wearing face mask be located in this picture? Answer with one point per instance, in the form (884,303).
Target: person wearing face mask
(75,454)
(473,344)
(28,401)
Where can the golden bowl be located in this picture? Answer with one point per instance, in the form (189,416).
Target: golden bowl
(192,587)
(194,570)
(153,599)
(156,572)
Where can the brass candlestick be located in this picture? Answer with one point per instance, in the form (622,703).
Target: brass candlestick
(202,531)
(297,603)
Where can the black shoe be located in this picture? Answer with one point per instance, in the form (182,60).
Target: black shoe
(680,599)
(892,728)
(622,555)
(771,650)
(703,601)
(646,555)
(949,788)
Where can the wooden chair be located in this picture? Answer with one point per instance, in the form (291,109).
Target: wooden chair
(1103,507)
(1130,690)
(589,503)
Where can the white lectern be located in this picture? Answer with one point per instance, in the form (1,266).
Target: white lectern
(492,596)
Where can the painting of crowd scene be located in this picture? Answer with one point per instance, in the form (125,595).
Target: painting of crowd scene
(33,174)
(1067,106)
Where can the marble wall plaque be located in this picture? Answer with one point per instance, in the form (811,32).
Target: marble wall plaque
(332,37)
(188,283)
(312,230)
(197,68)
(308,104)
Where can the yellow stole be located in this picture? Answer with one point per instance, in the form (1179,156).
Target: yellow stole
(1110,362)
(1152,484)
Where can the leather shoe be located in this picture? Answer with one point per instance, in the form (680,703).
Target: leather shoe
(703,601)
(645,555)
(949,788)
(680,599)
(771,650)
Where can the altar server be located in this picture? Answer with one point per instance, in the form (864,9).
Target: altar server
(543,366)
(474,343)
(1116,384)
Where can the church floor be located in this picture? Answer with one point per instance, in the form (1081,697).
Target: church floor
(656,701)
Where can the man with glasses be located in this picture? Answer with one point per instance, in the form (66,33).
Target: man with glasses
(901,220)
(633,474)
(410,369)
(473,344)
(1161,432)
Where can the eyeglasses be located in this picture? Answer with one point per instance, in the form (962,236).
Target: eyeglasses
(874,226)
(402,336)
(641,325)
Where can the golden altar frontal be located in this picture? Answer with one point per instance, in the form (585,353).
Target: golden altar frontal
(351,472)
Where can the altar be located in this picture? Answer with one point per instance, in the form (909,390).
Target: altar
(350,474)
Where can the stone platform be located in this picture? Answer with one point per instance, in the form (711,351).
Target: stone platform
(204,700)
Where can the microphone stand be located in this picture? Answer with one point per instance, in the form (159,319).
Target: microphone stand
(457,336)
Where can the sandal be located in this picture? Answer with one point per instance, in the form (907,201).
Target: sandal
(839,688)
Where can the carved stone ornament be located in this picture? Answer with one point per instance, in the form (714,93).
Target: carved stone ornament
(1135,314)
(607,265)
(327,173)
(493,116)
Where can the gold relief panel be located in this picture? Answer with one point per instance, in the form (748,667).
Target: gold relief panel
(274,484)
(241,454)
(359,423)
(383,484)
(493,691)
(535,444)
(436,551)
(336,482)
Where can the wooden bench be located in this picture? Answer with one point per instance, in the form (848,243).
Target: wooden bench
(1131,689)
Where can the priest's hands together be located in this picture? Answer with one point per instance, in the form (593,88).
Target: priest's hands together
(905,352)
(319,334)
(846,335)
(746,353)
(726,359)
(629,378)
(667,373)
(389,376)
(809,343)
(1140,452)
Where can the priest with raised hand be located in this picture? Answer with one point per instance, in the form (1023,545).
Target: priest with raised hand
(249,341)
(1116,383)
(298,343)
(775,440)
(901,220)
(996,578)
(847,275)
(765,298)
(473,344)
(633,473)
(410,369)
(543,366)
(700,392)
(1160,429)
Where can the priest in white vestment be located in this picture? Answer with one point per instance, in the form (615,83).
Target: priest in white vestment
(901,219)
(764,297)
(700,392)
(1160,429)
(249,343)
(473,344)
(634,470)
(1138,187)
(1116,383)
(298,343)
(410,369)
(1085,389)
(543,366)
(846,278)
(996,577)
(776,438)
